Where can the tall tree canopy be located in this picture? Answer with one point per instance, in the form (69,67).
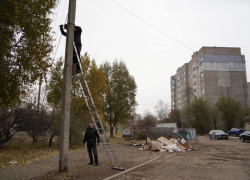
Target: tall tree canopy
(25,46)
(199,115)
(79,112)
(119,101)
(162,110)
(229,110)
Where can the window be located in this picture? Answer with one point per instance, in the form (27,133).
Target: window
(194,68)
(202,74)
(194,76)
(202,91)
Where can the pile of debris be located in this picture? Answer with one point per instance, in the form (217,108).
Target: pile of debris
(168,145)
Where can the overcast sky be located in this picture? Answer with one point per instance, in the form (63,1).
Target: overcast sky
(155,37)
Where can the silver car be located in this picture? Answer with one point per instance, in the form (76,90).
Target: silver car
(126,133)
(218,134)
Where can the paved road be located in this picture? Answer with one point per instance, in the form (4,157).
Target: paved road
(212,160)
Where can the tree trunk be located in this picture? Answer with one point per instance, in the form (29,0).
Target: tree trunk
(51,138)
(215,122)
(111,131)
(34,139)
(116,129)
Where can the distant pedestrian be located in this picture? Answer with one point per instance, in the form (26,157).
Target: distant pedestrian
(91,137)
(77,39)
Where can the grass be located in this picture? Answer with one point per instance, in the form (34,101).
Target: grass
(21,150)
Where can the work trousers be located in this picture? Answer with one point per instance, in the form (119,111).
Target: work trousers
(91,145)
(75,61)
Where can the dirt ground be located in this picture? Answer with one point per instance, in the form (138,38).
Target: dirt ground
(211,159)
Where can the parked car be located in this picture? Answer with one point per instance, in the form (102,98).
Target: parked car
(126,133)
(234,131)
(218,134)
(245,136)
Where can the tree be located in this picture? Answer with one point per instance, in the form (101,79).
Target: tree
(25,46)
(10,124)
(162,110)
(199,115)
(79,112)
(35,123)
(229,110)
(55,85)
(150,120)
(175,117)
(119,101)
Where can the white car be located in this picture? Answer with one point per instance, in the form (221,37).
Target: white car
(126,133)
(218,134)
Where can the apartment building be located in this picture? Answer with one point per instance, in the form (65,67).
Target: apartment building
(211,73)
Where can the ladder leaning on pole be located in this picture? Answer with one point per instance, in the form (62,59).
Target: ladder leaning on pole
(95,117)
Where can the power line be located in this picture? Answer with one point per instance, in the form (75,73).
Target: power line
(152,26)
(127,34)
(58,30)
(160,30)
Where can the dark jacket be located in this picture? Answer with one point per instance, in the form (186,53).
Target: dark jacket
(77,33)
(90,135)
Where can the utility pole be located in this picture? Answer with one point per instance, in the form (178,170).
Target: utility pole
(39,93)
(67,83)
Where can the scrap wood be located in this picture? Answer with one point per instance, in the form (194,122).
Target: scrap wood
(181,147)
(187,145)
(155,145)
(165,141)
(146,147)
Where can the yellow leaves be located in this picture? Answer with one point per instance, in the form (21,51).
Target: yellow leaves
(24,155)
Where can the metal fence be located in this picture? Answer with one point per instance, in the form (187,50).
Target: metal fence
(187,133)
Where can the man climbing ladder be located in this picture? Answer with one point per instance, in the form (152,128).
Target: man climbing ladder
(78,44)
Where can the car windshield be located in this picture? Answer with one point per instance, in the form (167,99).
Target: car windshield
(126,130)
(218,131)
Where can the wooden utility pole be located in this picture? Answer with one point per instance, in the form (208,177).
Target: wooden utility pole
(67,83)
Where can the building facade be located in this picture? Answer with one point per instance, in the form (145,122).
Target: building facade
(211,73)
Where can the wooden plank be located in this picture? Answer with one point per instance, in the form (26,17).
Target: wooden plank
(165,141)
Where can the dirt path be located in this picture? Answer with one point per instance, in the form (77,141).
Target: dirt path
(212,159)
(78,160)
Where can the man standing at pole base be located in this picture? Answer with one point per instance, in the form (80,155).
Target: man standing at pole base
(91,135)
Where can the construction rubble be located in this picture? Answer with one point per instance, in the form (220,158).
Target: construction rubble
(163,144)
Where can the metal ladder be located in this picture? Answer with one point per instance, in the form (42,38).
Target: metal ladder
(96,119)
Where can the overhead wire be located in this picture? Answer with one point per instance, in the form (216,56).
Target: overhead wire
(152,26)
(160,30)
(127,34)
(58,30)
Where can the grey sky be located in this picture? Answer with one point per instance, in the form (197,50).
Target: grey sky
(150,53)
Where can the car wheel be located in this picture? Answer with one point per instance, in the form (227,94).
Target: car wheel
(210,137)
(242,140)
(123,136)
(227,138)
(216,138)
